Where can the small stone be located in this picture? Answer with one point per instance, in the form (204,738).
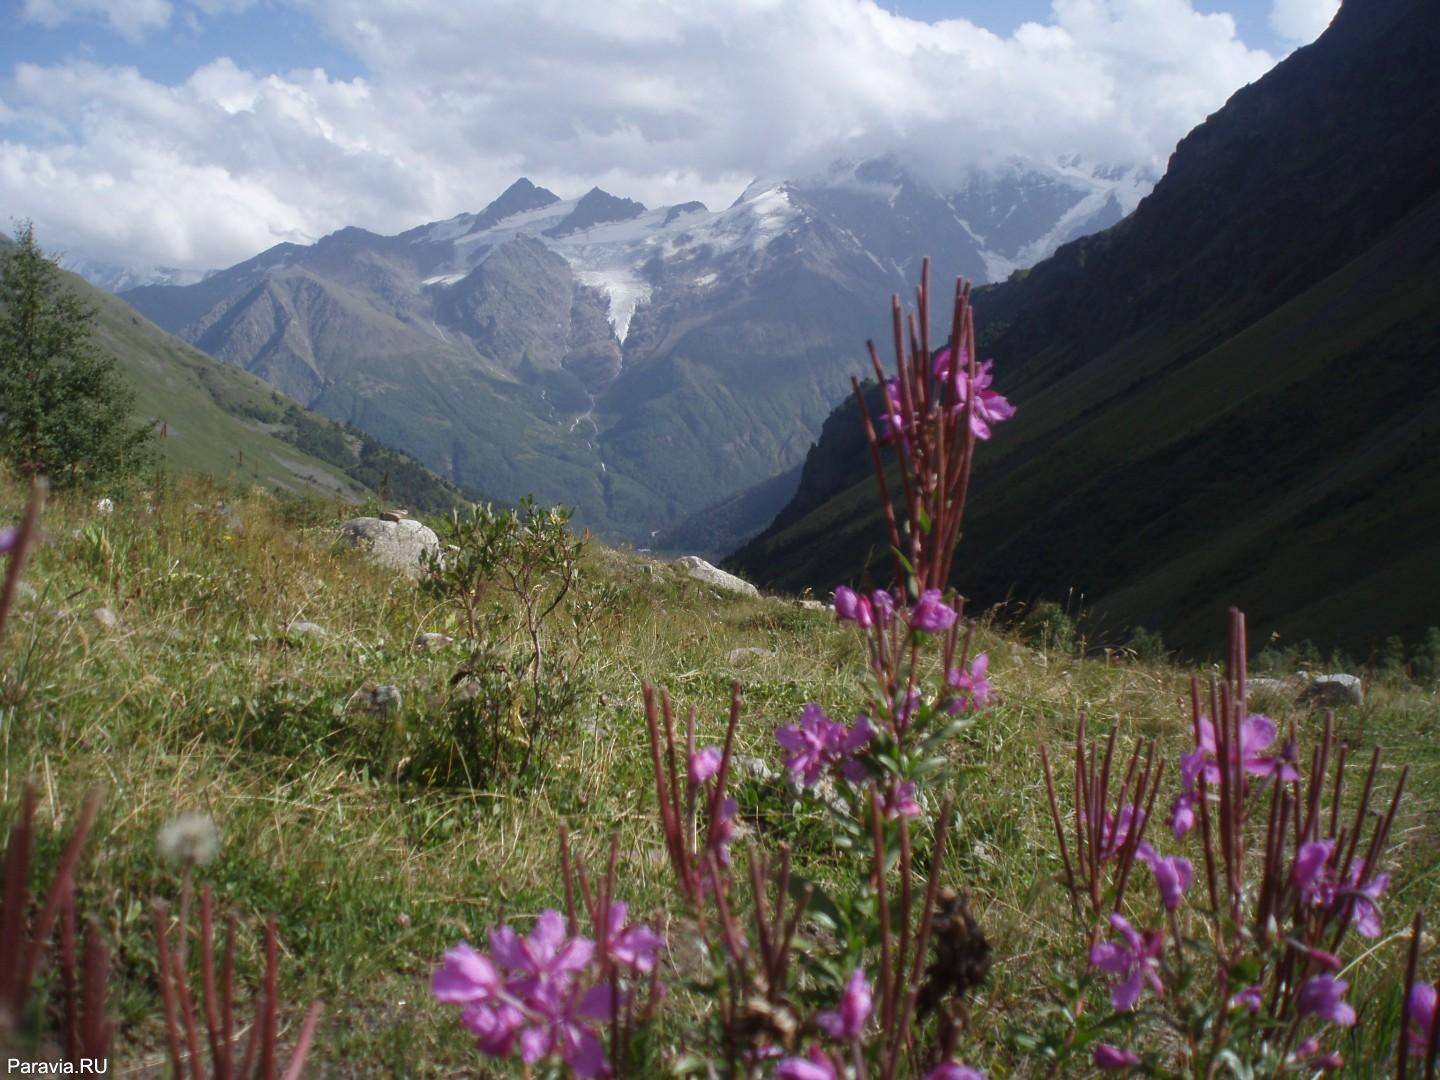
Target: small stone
(107,619)
(593,726)
(468,690)
(753,767)
(746,652)
(432,642)
(381,699)
(1331,690)
(105,506)
(701,570)
(812,605)
(307,629)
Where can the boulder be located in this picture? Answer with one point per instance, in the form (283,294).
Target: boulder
(430,642)
(1332,690)
(382,700)
(701,570)
(396,544)
(806,604)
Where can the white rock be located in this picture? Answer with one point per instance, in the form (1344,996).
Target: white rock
(812,605)
(1336,689)
(432,642)
(105,506)
(396,544)
(307,629)
(701,570)
(748,651)
(380,699)
(107,619)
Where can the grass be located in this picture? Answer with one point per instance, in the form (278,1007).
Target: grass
(207,698)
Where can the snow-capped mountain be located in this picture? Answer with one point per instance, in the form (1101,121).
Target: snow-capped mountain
(113,277)
(638,364)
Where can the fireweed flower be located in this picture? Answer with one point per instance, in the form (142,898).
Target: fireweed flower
(884,607)
(818,743)
(848,1020)
(1256,734)
(1136,959)
(1248,999)
(900,801)
(989,406)
(1173,874)
(1366,918)
(1420,1017)
(1309,1055)
(1112,1057)
(1313,875)
(815,1065)
(8,536)
(1323,996)
(630,946)
(892,418)
(972,687)
(950,1070)
(704,764)
(931,614)
(850,606)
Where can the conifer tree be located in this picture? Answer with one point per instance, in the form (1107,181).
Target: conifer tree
(64,406)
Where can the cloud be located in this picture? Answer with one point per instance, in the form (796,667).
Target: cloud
(1302,21)
(660,100)
(131,18)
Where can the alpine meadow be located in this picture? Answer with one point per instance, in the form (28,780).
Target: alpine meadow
(967,608)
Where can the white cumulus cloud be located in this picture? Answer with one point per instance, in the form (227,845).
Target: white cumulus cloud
(132,18)
(661,100)
(1302,21)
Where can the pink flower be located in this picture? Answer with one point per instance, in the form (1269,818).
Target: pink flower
(950,1070)
(1112,1057)
(8,536)
(465,976)
(989,407)
(848,1021)
(1136,959)
(1313,876)
(632,947)
(931,614)
(705,764)
(1420,1018)
(547,956)
(1182,814)
(1309,1055)
(818,743)
(1367,912)
(1248,999)
(816,1065)
(884,607)
(972,686)
(1173,875)
(900,801)
(850,606)
(1323,996)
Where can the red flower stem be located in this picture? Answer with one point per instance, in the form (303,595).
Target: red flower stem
(722,777)
(64,879)
(762,928)
(1059,825)
(218,1064)
(94,1028)
(302,1045)
(906,861)
(272,1001)
(160,915)
(24,538)
(227,993)
(68,965)
(882,899)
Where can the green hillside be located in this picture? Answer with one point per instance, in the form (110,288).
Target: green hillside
(219,420)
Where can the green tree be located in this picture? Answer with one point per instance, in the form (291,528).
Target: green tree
(64,406)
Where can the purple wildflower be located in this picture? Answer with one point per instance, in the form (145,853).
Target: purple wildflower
(812,744)
(1248,999)
(723,831)
(883,605)
(1313,875)
(1112,1057)
(1323,996)
(931,614)
(850,606)
(1420,1017)
(705,764)
(892,419)
(546,955)
(1309,1054)
(989,407)
(818,743)
(1115,830)
(900,801)
(816,1065)
(630,946)
(1173,875)
(951,1070)
(1136,959)
(848,1020)
(1182,814)
(8,536)
(1367,912)
(972,686)
(465,976)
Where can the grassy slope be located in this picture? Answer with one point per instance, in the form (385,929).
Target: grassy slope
(1153,481)
(226,423)
(203,700)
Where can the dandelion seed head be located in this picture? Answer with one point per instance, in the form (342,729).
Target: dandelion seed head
(189,839)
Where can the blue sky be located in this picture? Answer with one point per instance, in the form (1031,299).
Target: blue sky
(197,132)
